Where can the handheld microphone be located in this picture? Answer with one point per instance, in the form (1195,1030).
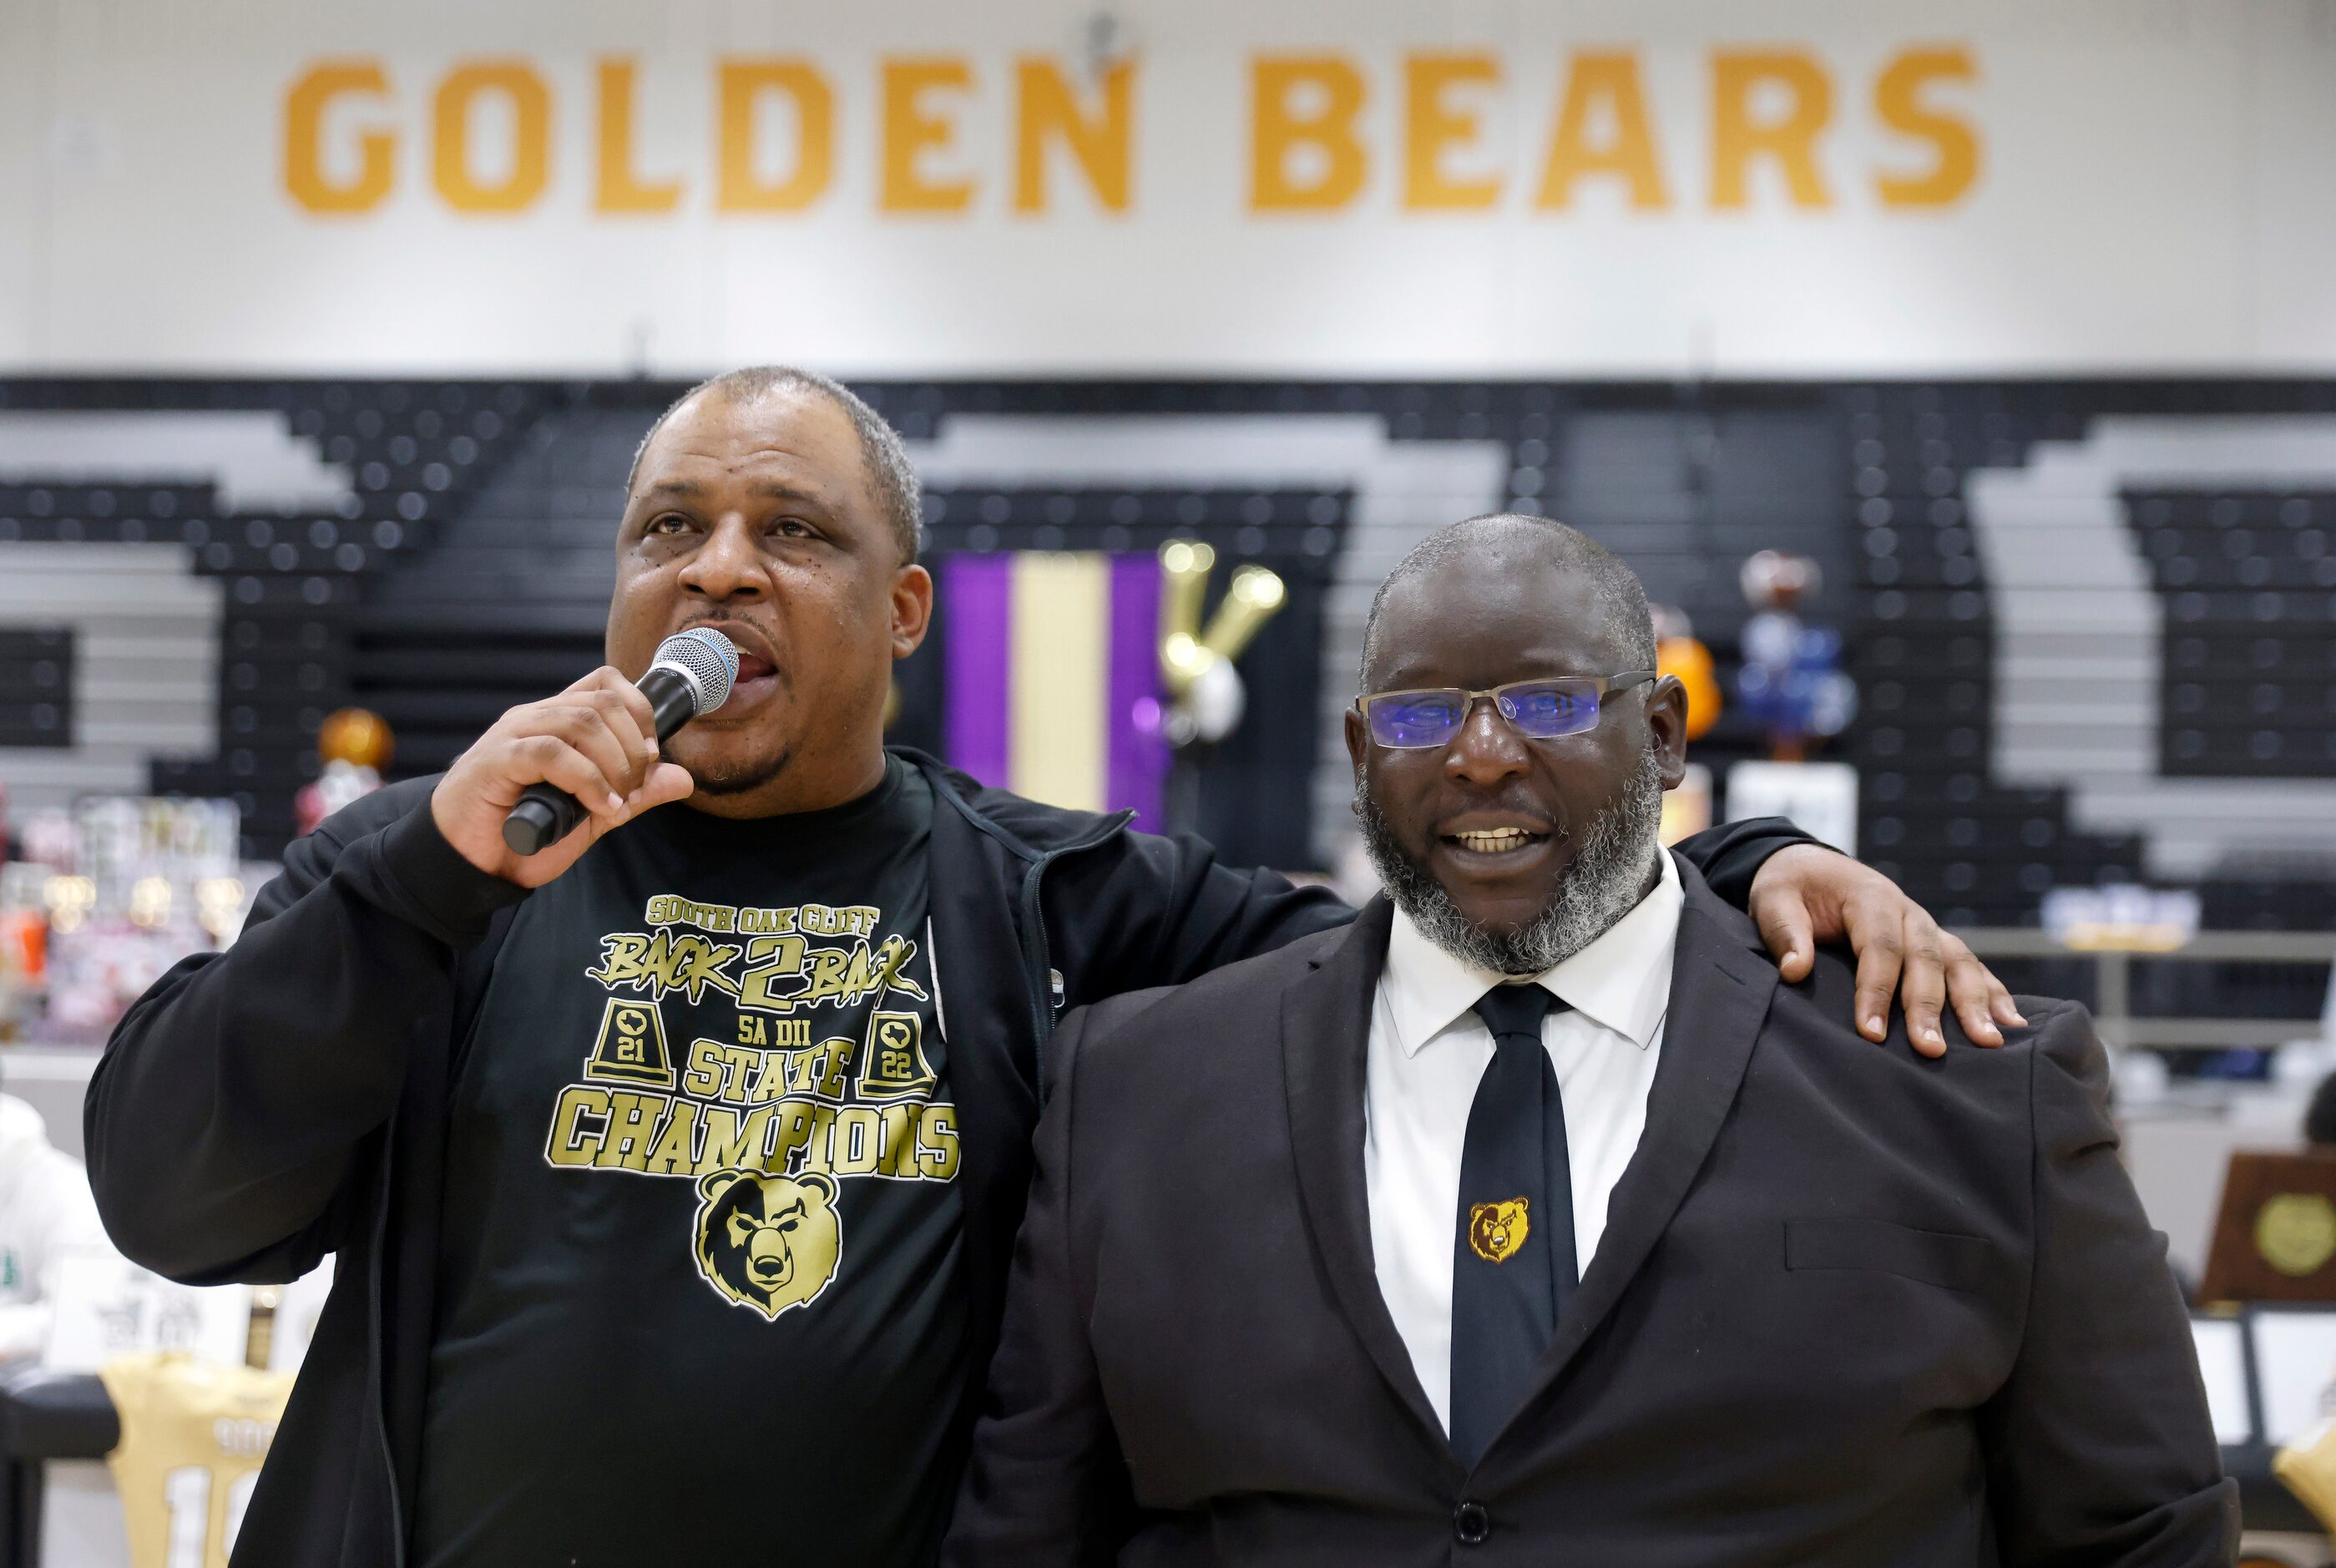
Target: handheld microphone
(692,674)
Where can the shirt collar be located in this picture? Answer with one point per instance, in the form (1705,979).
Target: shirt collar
(1623,980)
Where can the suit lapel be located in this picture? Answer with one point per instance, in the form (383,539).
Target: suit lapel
(1325,1021)
(1721,989)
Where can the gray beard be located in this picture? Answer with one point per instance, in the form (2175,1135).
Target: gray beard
(1604,881)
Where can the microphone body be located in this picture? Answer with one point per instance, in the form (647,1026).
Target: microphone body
(692,675)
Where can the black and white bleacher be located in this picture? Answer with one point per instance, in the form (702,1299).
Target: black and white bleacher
(290,577)
(464,561)
(1924,651)
(2251,648)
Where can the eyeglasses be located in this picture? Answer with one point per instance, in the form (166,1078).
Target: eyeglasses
(1538,709)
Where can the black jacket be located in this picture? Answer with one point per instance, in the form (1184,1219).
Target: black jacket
(262,1107)
(1851,1306)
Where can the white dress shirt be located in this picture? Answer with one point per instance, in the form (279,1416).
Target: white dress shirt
(1427,1051)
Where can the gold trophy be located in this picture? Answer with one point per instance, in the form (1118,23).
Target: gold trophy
(1196,665)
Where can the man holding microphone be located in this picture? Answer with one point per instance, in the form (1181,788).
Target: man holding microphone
(674,1169)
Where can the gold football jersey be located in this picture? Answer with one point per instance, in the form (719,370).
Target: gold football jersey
(193,1435)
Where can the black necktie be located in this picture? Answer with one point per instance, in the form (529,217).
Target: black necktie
(1513,1262)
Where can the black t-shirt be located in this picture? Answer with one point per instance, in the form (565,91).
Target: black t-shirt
(699,1292)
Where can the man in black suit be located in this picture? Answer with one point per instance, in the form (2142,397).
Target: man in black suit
(1532,1220)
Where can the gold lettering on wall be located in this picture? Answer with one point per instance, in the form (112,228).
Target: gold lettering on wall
(304,129)
(1437,126)
(453,165)
(951,137)
(621,187)
(1047,110)
(745,88)
(1954,169)
(917,126)
(1603,85)
(1739,135)
(1302,111)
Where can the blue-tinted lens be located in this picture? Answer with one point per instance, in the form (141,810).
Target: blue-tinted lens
(1546,709)
(1416,718)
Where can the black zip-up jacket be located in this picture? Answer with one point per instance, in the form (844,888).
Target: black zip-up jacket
(259,1108)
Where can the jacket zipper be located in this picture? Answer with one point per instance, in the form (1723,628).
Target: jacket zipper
(1037,956)
(1037,966)
(381,1386)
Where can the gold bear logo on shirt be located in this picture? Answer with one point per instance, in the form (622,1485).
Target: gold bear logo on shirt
(769,1243)
(1495,1231)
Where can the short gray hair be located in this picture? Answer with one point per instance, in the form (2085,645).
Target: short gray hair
(1619,593)
(890,475)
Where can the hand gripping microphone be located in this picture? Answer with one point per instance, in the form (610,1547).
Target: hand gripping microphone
(692,674)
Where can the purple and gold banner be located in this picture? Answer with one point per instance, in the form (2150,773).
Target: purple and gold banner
(1053,677)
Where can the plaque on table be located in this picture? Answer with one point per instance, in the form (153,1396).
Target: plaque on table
(2275,1238)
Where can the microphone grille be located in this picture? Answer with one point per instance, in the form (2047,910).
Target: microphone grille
(706,657)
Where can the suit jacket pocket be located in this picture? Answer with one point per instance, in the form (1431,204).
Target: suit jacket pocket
(1933,1257)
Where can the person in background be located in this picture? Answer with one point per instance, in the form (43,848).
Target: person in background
(46,1213)
(2320,1118)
